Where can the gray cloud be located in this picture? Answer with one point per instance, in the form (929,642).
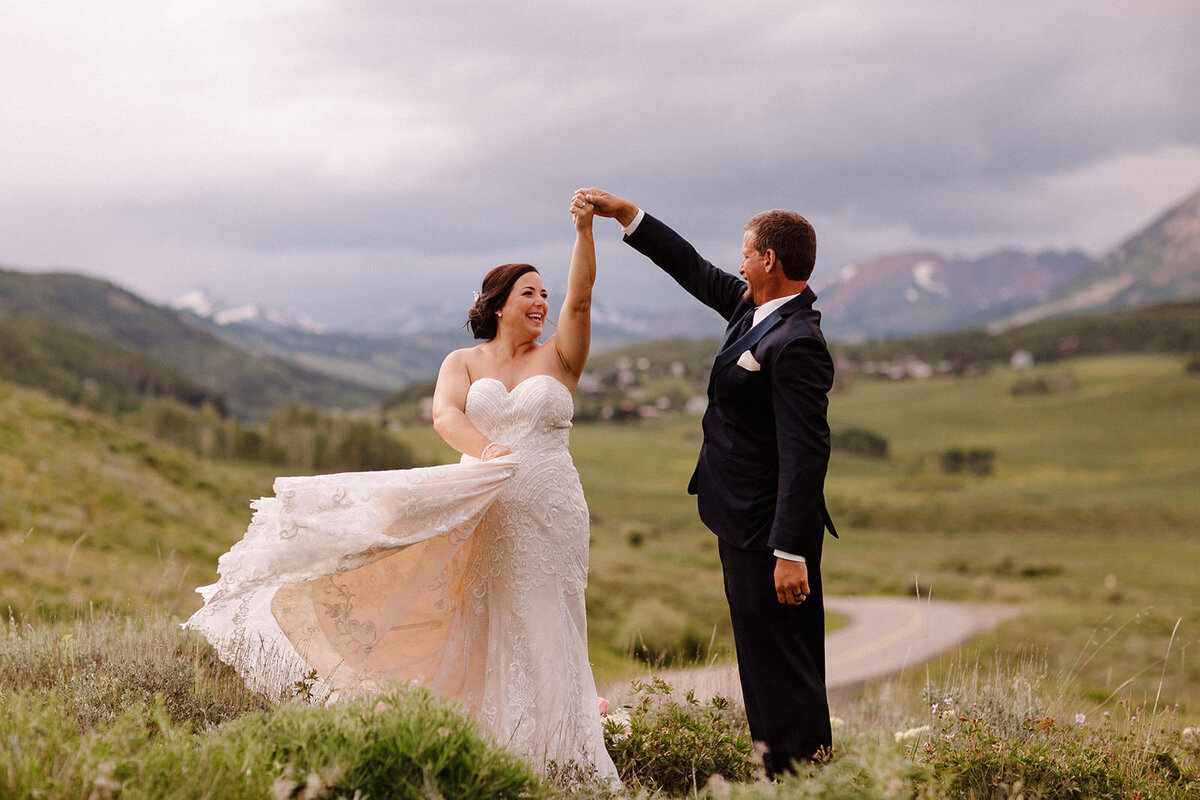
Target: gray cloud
(307,154)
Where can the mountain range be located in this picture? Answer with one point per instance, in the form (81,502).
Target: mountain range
(250,359)
(410,346)
(125,330)
(906,293)
(1162,262)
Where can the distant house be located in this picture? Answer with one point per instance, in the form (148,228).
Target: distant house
(1021,359)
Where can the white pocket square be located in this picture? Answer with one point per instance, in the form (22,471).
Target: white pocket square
(747,362)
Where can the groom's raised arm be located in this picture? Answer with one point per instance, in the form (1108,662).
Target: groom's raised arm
(710,285)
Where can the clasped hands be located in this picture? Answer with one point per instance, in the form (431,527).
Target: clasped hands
(582,210)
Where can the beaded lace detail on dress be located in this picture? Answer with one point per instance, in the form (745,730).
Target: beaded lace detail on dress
(468,578)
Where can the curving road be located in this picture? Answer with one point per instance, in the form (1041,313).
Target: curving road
(882,637)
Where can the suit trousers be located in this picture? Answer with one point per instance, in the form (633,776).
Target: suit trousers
(781,658)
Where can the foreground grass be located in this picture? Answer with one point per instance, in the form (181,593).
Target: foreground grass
(182,726)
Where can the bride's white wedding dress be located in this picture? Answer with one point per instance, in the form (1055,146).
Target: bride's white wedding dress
(468,578)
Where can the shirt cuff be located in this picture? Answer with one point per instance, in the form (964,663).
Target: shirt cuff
(789,556)
(631,227)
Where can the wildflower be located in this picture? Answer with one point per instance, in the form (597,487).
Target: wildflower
(603,705)
(911,733)
(836,722)
(934,709)
(1080,719)
(617,725)
(1191,732)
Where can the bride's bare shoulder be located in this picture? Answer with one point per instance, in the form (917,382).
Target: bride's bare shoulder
(463,355)
(465,359)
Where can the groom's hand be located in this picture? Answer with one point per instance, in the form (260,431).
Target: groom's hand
(791,581)
(608,205)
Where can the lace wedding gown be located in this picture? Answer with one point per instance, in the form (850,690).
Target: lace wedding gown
(467,578)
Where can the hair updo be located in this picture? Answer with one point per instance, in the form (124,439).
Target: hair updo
(497,285)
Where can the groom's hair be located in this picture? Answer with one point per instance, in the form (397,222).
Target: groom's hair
(497,285)
(790,236)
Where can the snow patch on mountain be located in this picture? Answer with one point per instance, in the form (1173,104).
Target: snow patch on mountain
(923,273)
(204,304)
(197,301)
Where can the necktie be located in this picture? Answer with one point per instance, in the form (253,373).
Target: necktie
(737,330)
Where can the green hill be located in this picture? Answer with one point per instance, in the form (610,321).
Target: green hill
(1165,328)
(96,515)
(251,384)
(88,371)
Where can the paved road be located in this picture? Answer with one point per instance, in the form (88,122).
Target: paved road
(883,636)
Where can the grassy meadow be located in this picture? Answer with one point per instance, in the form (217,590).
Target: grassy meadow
(1087,523)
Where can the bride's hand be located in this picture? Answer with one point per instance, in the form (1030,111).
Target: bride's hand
(494,450)
(582,211)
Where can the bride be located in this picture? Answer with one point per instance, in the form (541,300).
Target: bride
(467,578)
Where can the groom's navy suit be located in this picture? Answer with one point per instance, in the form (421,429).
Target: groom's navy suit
(759,484)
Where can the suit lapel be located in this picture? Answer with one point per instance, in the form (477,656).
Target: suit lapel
(731,351)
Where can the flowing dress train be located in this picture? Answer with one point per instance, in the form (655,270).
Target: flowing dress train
(468,578)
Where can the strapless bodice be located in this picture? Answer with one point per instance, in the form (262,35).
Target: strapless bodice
(534,415)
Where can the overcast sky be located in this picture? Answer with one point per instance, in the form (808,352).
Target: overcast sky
(348,158)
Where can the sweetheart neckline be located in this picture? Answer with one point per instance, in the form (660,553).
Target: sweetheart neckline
(518,384)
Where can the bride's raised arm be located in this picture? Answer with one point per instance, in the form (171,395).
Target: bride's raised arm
(574,335)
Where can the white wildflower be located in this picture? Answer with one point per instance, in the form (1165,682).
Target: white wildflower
(616,722)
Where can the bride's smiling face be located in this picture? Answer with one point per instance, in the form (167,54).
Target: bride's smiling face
(525,309)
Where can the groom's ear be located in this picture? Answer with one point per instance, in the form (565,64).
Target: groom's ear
(771,261)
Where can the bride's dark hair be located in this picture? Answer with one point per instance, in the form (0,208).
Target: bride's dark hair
(497,285)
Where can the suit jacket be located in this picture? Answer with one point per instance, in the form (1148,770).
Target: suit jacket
(760,476)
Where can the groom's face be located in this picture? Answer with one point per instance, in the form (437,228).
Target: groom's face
(752,269)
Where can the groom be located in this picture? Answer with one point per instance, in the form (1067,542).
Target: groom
(760,477)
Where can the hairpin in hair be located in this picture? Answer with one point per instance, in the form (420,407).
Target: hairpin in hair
(477,296)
